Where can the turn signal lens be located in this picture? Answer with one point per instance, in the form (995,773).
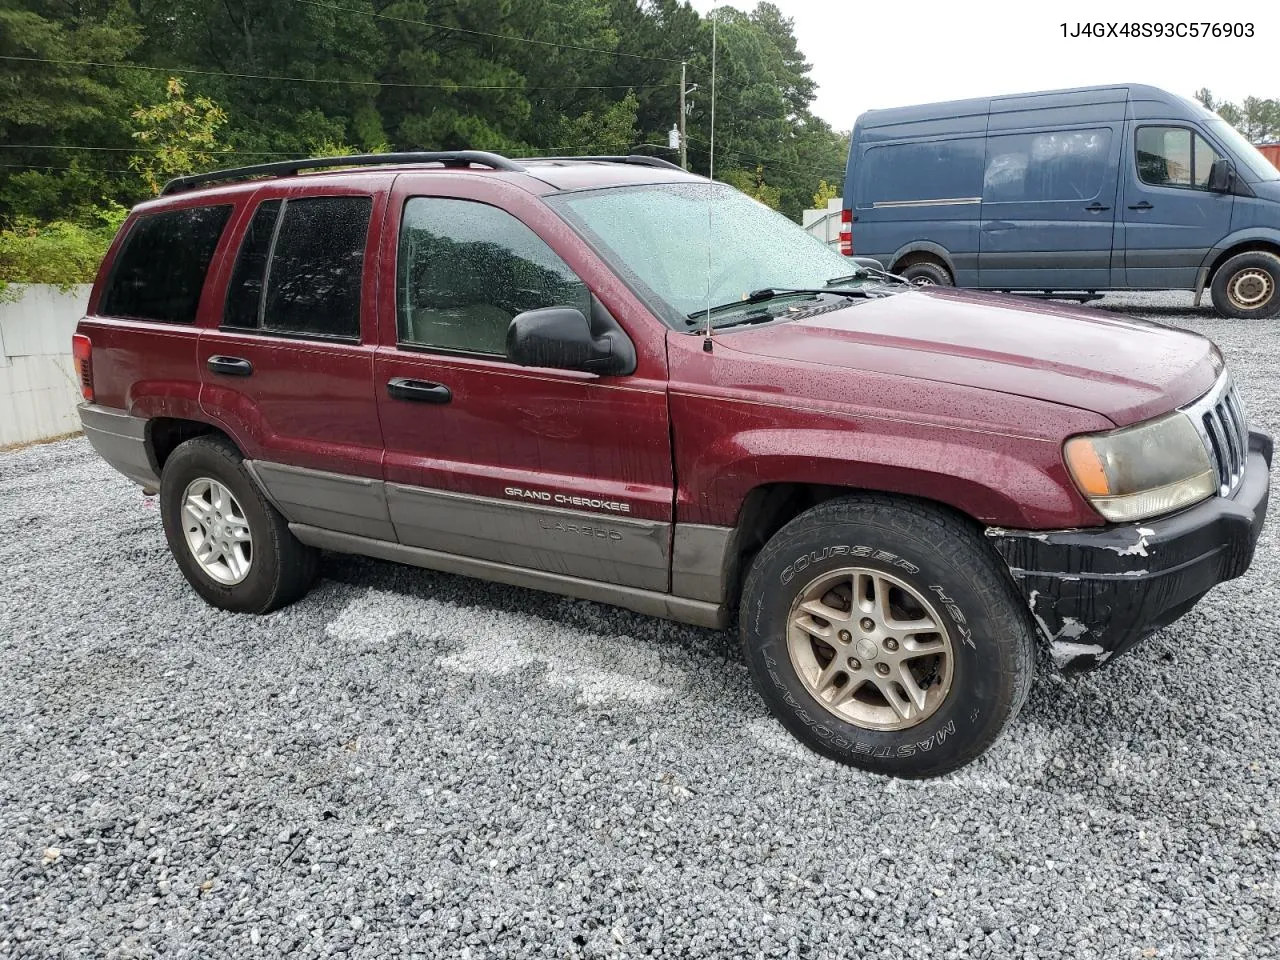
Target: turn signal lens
(1086,467)
(82,355)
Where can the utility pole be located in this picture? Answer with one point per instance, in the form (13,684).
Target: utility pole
(711,162)
(684,149)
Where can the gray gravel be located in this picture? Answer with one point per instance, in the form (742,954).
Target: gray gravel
(412,764)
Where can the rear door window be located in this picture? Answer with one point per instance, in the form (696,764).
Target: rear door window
(932,170)
(300,268)
(1051,165)
(160,271)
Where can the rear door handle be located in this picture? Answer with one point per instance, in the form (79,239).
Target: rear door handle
(1140,206)
(230,366)
(421,391)
(1096,207)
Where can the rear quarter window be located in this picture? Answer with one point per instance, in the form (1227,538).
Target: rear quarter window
(923,170)
(160,270)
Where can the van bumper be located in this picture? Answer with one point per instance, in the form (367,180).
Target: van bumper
(1095,593)
(121,440)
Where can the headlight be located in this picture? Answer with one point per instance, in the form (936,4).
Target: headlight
(1144,470)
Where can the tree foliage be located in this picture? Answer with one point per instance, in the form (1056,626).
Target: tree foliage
(1256,118)
(180,136)
(112,97)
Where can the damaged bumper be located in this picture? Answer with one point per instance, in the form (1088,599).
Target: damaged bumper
(1097,592)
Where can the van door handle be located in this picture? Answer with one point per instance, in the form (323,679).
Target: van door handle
(1096,207)
(994,225)
(421,391)
(230,366)
(1140,206)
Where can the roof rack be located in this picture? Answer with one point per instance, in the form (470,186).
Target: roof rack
(639,159)
(287,168)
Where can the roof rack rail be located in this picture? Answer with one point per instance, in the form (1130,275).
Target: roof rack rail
(287,168)
(639,159)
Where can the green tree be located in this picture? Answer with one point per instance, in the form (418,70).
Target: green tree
(179,135)
(824,194)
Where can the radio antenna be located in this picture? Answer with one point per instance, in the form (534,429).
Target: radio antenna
(706,341)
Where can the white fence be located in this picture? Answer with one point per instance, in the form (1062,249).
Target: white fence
(825,224)
(38,388)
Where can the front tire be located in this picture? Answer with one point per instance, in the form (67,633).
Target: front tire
(1247,287)
(230,543)
(883,634)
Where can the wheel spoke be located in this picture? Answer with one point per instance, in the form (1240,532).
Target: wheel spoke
(915,646)
(819,609)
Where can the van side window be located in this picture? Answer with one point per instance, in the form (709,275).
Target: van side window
(1059,165)
(924,170)
(465,269)
(1173,157)
(160,270)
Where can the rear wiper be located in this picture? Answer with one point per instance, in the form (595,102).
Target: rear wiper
(772,293)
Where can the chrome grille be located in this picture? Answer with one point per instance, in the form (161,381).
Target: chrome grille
(1220,419)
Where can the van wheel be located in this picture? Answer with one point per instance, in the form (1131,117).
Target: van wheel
(230,543)
(1248,286)
(927,273)
(883,634)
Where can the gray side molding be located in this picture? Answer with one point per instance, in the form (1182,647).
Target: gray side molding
(121,440)
(649,602)
(700,556)
(335,501)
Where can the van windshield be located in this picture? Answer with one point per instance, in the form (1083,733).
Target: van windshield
(686,246)
(1245,152)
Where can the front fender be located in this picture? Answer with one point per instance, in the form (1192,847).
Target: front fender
(1002,481)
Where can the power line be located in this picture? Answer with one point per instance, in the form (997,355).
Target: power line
(786,165)
(67,146)
(494,36)
(31,166)
(357,83)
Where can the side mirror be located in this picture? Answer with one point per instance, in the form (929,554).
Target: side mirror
(1221,176)
(561,338)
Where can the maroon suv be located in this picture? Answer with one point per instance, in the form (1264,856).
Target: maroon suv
(607,378)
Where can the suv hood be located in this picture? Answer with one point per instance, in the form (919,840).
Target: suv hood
(1125,370)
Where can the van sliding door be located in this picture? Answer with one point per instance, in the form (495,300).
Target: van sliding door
(1049,190)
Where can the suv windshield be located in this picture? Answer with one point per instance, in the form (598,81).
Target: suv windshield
(1246,153)
(687,246)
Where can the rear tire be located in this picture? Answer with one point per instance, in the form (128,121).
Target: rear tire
(927,273)
(230,543)
(969,649)
(1247,286)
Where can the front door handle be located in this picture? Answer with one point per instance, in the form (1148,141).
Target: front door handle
(421,391)
(1096,207)
(230,366)
(1140,206)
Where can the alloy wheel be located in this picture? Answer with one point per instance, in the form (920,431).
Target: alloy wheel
(870,648)
(217,531)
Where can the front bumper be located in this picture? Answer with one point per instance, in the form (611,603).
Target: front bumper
(1097,592)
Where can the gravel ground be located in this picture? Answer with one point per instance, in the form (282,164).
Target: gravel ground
(413,764)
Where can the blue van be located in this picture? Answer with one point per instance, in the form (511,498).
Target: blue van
(1068,192)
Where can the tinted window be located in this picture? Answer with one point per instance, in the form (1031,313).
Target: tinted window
(465,269)
(159,273)
(244,294)
(1173,157)
(936,170)
(1062,165)
(313,283)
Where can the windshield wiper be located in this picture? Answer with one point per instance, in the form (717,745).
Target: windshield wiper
(866,271)
(772,293)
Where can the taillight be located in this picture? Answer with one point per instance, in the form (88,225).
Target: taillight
(846,232)
(82,354)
